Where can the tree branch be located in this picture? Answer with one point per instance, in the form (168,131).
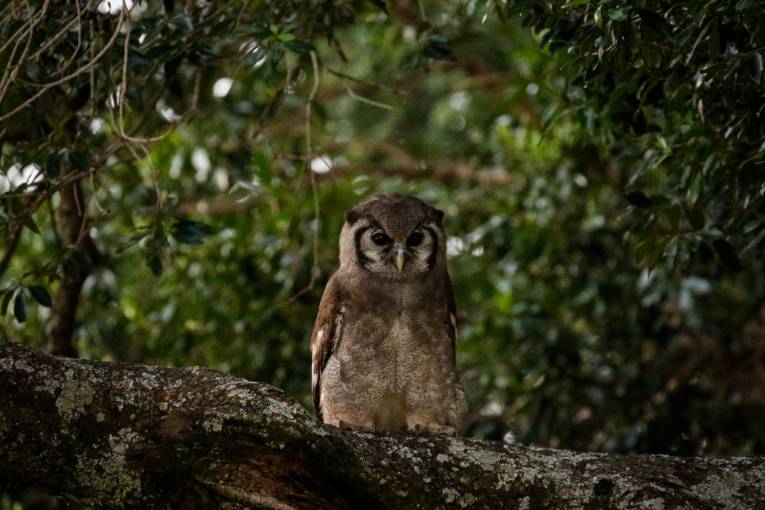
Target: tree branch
(10,248)
(134,436)
(73,221)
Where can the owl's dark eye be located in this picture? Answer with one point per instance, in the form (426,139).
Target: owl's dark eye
(380,239)
(415,239)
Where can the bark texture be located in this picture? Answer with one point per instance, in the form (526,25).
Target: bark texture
(134,436)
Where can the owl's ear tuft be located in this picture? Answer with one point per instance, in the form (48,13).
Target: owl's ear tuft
(352,216)
(438,215)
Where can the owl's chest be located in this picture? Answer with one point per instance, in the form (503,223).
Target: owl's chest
(391,341)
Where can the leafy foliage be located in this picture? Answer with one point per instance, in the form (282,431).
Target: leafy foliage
(675,90)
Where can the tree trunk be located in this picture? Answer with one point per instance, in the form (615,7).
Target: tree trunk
(134,436)
(63,317)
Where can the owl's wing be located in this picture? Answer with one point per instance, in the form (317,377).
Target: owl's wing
(325,337)
(452,319)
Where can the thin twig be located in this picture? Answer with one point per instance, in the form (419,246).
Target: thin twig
(348,77)
(84,68)
(366,100)
(315,269)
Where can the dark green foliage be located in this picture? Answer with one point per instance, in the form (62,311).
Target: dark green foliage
(676,91)
(41,295)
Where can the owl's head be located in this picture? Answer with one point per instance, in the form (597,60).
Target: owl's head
(393,235)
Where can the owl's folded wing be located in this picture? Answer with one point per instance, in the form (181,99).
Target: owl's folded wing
(452,323)
(325,338)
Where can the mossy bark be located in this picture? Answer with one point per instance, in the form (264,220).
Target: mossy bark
(135,436)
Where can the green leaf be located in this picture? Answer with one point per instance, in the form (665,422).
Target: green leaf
(638,199)
(52,166)
(620,14)
(190,232)
(29,222)
(302,47)
(20,307)
(158,239)
(436,49)
(155,264)
(78,160)
(159,52)
(41,295)
(262,163)
(655,22)
(135,238)
(696,218)
(381,5)
(727,254)
(6,301)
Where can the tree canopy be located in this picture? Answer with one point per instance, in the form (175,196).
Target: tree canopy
(175,176)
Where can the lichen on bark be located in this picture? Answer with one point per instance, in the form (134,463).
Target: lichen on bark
(134,436)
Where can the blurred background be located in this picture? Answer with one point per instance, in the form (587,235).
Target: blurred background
(600,165)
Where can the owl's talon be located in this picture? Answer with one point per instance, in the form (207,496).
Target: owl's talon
(347,426)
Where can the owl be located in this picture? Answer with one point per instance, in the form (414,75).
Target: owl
(383,345)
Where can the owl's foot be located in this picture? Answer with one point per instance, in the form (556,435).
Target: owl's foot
(355,427)
(442,430)
(431,428)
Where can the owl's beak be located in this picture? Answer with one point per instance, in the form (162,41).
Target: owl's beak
(399,254)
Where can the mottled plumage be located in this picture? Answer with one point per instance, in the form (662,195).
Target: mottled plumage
(383,344)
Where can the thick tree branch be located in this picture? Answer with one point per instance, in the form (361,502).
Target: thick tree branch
(115,435)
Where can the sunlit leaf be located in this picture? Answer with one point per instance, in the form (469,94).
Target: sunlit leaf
(619,14)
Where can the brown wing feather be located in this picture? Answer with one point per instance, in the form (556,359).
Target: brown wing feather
(323,338)
(452,318)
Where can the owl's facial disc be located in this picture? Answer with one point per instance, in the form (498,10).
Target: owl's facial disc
(396,253)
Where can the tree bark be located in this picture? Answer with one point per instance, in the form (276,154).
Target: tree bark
(134,436)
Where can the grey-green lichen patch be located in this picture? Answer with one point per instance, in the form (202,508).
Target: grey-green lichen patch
(73,397)
(21,364)
(466,500)
(488,461)
(723,489)
(109,473)
(652,504)
(450,495)
(214,424)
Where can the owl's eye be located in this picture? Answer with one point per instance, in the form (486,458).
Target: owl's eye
(380,239)
(415,239)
